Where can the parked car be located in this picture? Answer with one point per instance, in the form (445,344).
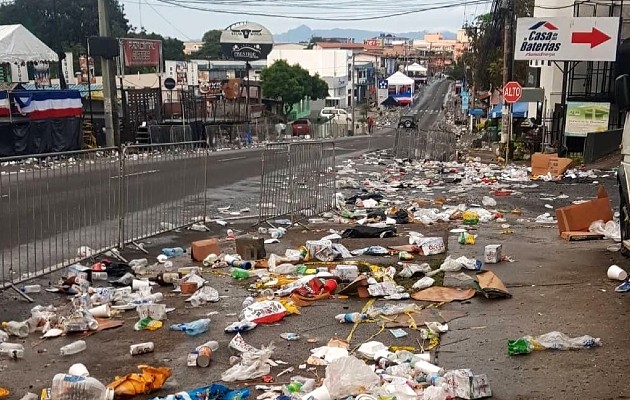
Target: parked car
(301,127)
(408,121)
(337,113)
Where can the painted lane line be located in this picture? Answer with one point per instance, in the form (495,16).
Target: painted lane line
(153,171)
(232,159)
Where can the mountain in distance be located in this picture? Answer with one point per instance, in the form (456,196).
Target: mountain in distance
(304,33)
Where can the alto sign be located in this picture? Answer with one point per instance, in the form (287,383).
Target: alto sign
(512,92)
(567,39)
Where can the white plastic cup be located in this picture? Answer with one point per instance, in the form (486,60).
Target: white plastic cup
(615,272)
(428,368)
(321,393)
(102,311)
(78,370)
(139,284)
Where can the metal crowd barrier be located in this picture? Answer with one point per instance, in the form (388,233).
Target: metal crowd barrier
(298,180)
(437,144)
(51,205)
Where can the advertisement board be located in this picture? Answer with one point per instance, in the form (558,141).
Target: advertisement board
(141,52)
(246,41)
(585,117)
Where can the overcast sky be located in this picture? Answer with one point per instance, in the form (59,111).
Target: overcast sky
(188,24)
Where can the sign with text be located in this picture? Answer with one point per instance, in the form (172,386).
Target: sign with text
(583,117)
(19,73)
(141,52)
(67,67)
(246,41)
(512,92)
(567,39)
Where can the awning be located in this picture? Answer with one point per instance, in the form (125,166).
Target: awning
(519,110)
(475,112)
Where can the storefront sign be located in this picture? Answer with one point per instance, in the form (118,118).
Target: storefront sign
(246,41)
(141,52)
(583,118)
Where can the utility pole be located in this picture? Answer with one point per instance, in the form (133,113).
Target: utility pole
(112,131)
(352,99)
(506,120)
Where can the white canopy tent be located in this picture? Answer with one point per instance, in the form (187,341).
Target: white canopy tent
(399,79)
(415,67)
(18,45)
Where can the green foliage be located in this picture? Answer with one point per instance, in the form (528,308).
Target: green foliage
(172,48)
(64,25)
(289,84)
(211,48)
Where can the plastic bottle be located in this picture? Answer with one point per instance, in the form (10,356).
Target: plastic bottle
(167,278)
(193,328)
(73,348)
(239,274)
(519,346)
(248,302)
(428,368)
(14,328)
(99,276)
(72,387)
(351,317)
(173,251)
(13,350)
(140,262)
(31,289)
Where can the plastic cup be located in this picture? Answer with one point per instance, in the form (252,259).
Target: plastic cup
(102,311)
(78,370)
(615,272)
(139,284)
(321,393)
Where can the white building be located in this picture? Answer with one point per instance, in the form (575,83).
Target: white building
(333,66)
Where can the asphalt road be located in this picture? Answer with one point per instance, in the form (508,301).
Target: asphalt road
(46,214)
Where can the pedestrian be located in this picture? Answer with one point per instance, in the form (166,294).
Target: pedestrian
(370,122)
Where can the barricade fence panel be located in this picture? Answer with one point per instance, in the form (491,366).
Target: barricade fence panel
(298,180)
(156,198)
(53,204)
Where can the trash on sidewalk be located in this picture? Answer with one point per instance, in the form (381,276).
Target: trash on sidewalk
(616,273)
(148,380)
(443,294)
(491,286)
(551,341)
(579,217)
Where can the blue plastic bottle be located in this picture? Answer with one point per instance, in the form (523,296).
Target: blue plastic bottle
(173,251)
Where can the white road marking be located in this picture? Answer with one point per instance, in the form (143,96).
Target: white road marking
(232,159)
(137,173)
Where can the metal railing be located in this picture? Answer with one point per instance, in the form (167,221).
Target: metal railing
(298,180)
(438,144)
(52,204)
(55,206)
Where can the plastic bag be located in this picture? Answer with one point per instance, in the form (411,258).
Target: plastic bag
(423,283)
(204,295)
(349,375)
(610,229)
(265,312)
(253,365)
(488,201)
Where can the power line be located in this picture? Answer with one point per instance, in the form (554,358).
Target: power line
(167,21)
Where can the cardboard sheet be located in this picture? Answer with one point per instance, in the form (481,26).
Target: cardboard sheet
(443,294)
(491,286)
(578,217)
(543,164)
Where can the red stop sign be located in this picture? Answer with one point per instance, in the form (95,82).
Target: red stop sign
(512,92)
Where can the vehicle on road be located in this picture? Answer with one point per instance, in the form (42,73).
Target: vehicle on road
(329,113)
(301,127)
(408,121)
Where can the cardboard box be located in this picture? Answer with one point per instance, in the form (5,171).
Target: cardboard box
(203,248)
(542,164)
(579,217)
(250,248)
(492,254)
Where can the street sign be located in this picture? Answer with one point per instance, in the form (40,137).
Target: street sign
(465,101)
(512,92)
(567,39)
(169,83)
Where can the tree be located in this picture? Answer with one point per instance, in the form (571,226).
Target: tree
(211,48)
(64,25)
(290,84)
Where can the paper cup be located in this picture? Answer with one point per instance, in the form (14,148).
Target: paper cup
(615,272)
(138,284)
(321,393)
(78,370)
(102,311)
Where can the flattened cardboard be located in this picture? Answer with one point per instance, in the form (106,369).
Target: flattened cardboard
(443,294)
(542,164)
(491,286)
(578,217)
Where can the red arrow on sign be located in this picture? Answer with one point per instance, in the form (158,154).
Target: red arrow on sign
(595,37)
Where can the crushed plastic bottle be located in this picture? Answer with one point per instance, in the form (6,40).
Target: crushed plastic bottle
(72,387)
(14,328)
(351,317)
(193,328)
(73,348)
(171,252)
(551,341)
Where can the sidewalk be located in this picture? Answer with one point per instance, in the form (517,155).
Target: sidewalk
(555,286)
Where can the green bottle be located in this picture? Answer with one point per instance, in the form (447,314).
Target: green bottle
(519,346)
(238,273)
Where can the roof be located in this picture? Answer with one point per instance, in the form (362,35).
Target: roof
(342,46)
(400,79)
(18,44)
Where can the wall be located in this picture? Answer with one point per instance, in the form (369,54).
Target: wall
(331,65)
